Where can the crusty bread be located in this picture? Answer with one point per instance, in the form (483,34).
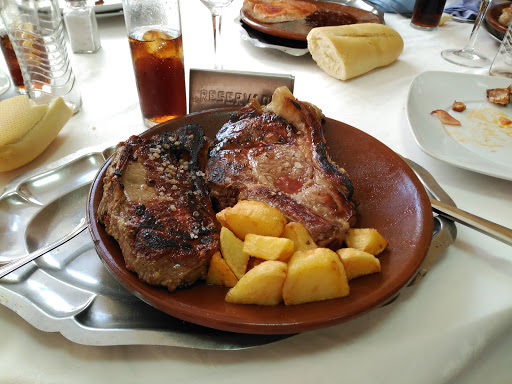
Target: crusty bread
(347,51)
(26,129)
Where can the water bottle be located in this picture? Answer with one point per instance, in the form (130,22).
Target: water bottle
(36,31)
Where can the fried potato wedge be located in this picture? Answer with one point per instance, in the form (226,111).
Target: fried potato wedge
(249,216)
(262,285)
(264,260)
(300,236)
(314,275)
(231,248)
(254,261)
(358,263)
(221,217)
(366,239)
(268,247)
(219,272)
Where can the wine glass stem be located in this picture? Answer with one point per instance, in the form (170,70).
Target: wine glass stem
(470,46)
(216,19)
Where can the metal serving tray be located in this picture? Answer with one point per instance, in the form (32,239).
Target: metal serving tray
(69,291)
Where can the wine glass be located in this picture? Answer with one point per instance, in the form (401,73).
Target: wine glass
(215,7)
(467,56)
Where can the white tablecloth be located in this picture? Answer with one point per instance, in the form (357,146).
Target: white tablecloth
(453,327)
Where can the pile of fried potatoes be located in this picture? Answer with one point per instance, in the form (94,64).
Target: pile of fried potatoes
(278,261)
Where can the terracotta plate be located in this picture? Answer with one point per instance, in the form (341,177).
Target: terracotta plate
(492,16)
(390,198)
(327,14)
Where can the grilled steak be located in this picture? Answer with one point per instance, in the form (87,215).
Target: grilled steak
(278,155)
(156,205)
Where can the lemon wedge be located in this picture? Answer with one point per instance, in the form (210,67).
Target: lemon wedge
(27,129)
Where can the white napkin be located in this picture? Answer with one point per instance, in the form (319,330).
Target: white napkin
(464,9)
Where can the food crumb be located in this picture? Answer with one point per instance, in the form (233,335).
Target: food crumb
(498,95)
(445,117)
(458,106)
(505,121)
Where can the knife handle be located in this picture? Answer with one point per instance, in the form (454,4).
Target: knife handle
(487,227)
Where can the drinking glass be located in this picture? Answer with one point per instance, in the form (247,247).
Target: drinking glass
(467,56)
(502,63)
(11,60)
(427,14)
(156,44)
(215,7)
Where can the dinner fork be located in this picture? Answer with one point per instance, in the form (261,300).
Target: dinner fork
(451,212)
(11,266)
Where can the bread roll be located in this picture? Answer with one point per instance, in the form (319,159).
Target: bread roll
(26,129)
(347,51)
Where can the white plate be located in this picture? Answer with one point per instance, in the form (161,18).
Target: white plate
(109,6)
(481,143)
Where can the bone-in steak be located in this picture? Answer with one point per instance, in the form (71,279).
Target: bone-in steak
(278,155)
(156,205)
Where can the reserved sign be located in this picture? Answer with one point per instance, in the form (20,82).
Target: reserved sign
(210,89)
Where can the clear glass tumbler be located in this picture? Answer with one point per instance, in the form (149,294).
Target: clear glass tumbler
(11,60)
(36,31)
(502,63)
(154,34)
(427,14)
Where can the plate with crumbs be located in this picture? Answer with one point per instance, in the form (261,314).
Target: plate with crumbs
(389,198)
(482,143)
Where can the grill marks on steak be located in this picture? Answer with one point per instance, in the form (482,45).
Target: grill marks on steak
(157,206)
(278,155)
